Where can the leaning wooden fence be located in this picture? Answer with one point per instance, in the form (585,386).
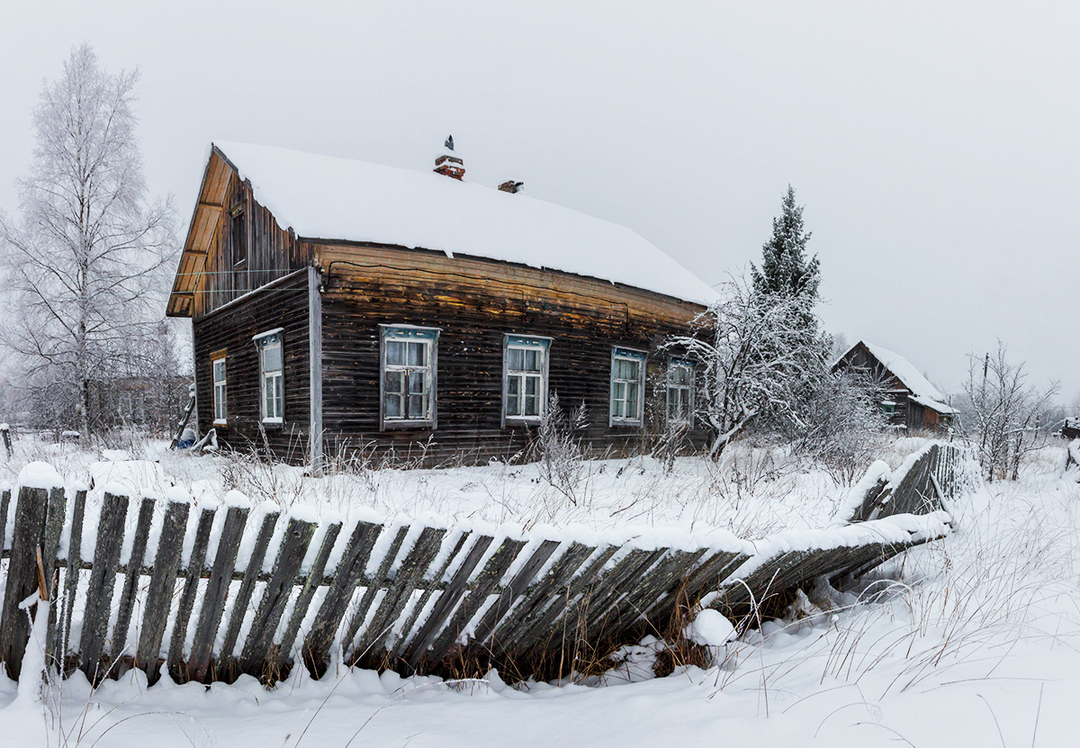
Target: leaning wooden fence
(215,590)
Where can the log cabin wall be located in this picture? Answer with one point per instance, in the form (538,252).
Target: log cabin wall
(475,302)
(247,251)
(230,329)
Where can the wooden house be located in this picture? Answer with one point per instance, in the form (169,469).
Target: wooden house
(911,402)
(340,305)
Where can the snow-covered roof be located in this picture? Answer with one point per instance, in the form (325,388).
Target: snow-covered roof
(323,197)
(922,392)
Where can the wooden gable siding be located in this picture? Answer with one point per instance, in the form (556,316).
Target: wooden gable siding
(242,258)
(283,304)
(475,302)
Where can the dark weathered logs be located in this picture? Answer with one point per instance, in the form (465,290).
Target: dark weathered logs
(99,589)
(162,583)
(217,589)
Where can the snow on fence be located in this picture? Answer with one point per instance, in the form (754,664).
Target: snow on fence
(215,590)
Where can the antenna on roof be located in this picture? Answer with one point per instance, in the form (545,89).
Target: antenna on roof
(449,143)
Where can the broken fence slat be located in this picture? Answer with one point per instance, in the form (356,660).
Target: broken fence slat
(29,532)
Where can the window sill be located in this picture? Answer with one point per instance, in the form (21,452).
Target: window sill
(623,422)
(523,420)
(392,425)
(273,421)
(221,424)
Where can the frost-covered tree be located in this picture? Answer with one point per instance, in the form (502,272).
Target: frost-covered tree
(1001,412)
(785,270)
(82,265)
(755,358)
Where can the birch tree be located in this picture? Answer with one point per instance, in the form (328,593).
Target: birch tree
(83,261)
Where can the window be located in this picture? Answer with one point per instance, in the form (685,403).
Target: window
(272,375)
(408,363)
(217,363)
(525,374)
(627,384)
(680,391)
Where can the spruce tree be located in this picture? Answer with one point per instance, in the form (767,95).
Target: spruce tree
(785,271)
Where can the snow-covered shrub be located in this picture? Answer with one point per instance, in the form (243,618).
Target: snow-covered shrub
(558,450)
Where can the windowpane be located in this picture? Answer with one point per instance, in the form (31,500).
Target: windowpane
(417,411)
(416,382)
(392,405)
(532,405)
(513,405)
(272,358)
(515,359)
(393,382)
(631,400)
(532,386)
(416,354)
(395,353)
(532,360)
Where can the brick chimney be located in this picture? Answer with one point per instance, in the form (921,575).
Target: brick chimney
(511,186)
(448,164)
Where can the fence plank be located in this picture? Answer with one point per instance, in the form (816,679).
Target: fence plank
(71,573)
(29,532)
(404,638)
(311,584)
(444,606)
(131,581)
(511,592)
(347,576)
(397,594)
(54,527)
(541,594)
(294,545)
(162,584)
(563,606)
(247,587)
(217,589)
(5,501)
(492,573)
(99,590)
(591,616)
(373,587)
(177,664)
(654,600)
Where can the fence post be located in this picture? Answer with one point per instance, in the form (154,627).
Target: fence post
(5,434)
(39,512)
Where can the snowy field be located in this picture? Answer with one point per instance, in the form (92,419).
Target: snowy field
(973,641)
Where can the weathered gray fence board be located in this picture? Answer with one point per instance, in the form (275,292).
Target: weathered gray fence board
(159,594)
(406,636)
(247,586)
(372,590)
(303,601)
(5,501)
(187,598)
(294,545)
(397,594)
(131,580)
(347,577)
(505,601)
(217,588)
(54,528)
(99,591)
(71,573)
(446,603)
(29,532)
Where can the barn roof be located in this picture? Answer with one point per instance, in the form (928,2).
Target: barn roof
(922,391)
(323,197)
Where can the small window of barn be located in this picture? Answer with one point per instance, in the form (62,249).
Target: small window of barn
(408,366)
(271,376)
(238,232)
(680,391)
(219,376)
(627,386)
(525,377)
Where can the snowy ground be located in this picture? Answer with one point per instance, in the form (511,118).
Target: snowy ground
(973,641)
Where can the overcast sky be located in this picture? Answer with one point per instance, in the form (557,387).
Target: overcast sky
(934,145)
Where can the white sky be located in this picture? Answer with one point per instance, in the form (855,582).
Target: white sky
(933,144)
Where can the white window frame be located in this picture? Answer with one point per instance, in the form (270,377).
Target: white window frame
(540,344)
(639,357)
(688,366)
(219,387)
(265,341)
(428,337)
